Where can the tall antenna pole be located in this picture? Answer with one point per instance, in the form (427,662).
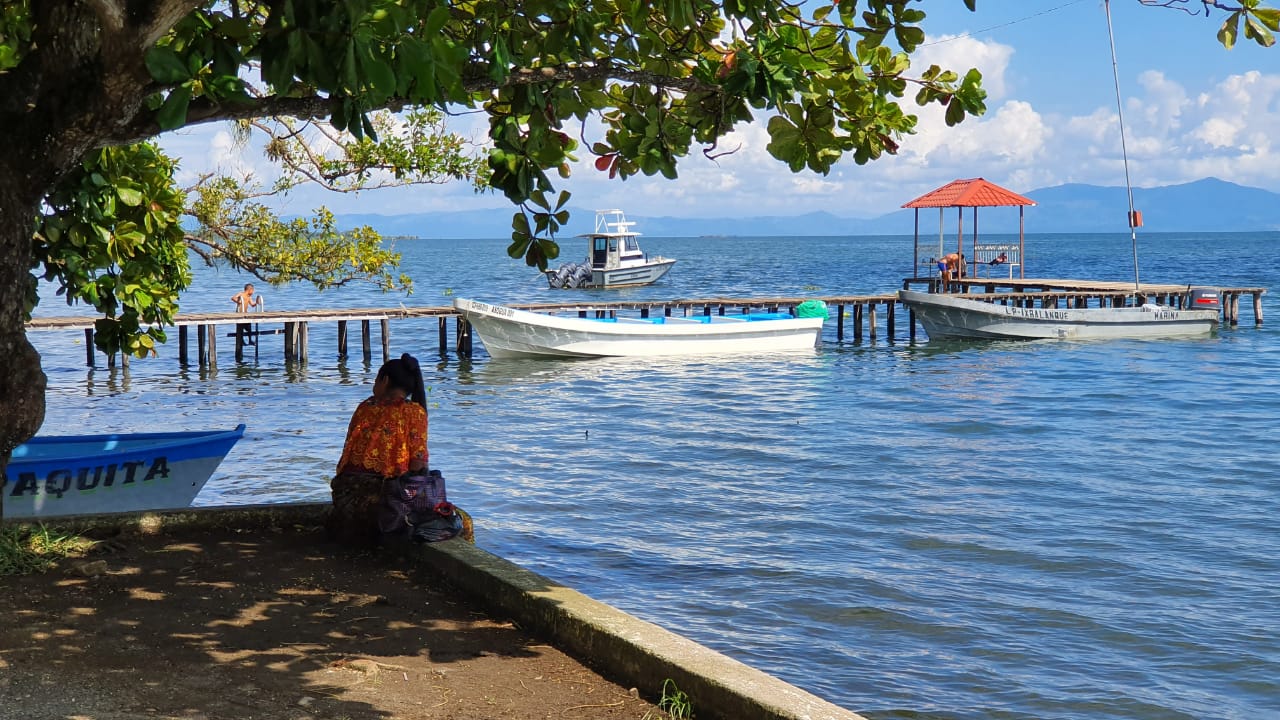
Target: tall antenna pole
(1134,220)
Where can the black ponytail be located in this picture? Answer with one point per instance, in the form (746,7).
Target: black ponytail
(406,374)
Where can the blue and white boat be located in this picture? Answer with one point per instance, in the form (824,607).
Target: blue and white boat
(67,475)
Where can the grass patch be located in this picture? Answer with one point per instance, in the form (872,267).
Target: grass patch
(30,549)
(675,702)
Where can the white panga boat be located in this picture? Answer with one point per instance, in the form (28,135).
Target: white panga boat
(66,475)
(947,316)
(614,258)
(508,332)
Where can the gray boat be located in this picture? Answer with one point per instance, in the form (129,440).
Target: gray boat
(948,316)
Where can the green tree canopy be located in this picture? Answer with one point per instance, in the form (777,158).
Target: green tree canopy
(638,84)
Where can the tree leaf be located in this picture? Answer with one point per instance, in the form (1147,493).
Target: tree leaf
(173,113)
(129,196)
(165,66)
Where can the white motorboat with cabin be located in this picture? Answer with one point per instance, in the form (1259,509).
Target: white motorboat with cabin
(510,332)
(614,258)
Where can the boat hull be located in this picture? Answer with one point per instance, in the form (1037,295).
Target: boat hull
(69,475)
(630,276)
(943,316)
(508,332)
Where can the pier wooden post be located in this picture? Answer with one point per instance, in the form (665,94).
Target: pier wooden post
(839,323)
(302,342)
(386,339)
(290,341)
(342,339)
(88,346)
(240,329)
(889,319)
(1235,309)
(911,323)
(182,344)
(202,353)
(644,313)
(213,346)
(442,334)
(365,341)
(1257,309)
(857,322)
(463,333)
(871,321)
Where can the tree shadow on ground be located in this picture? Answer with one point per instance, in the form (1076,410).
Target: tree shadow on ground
(272,623)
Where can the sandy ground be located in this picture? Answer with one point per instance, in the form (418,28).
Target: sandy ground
(273,623)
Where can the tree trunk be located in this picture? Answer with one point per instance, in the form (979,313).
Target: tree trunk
(22,382)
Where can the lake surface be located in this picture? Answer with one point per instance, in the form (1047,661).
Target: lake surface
(962,530)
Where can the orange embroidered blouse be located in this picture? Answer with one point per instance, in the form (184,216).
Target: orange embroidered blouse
(384,436)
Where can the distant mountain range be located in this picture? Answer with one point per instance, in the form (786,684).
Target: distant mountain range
(1208,205)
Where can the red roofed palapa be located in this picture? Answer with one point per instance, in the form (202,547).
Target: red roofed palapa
(972,193)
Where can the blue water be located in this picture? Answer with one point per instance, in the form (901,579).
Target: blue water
(965,530)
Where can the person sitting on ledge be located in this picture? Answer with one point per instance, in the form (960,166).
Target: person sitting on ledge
(387,437)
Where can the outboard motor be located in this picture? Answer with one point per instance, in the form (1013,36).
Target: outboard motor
(1203,298)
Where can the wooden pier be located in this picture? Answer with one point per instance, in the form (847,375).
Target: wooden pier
(853,314)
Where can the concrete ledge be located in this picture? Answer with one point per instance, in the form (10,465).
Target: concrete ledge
(621,647)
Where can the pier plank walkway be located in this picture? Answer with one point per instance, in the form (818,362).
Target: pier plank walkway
(859,310)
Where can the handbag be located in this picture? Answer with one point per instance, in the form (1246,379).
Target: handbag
(415,506)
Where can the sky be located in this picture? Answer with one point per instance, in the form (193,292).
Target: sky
(1192,109)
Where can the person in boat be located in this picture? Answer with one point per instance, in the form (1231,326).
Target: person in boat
(950,267)
(386,438)
(1000,259)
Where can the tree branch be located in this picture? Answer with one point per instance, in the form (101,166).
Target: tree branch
(476,84)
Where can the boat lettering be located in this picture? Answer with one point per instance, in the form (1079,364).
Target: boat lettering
(1036,313)
(59,482)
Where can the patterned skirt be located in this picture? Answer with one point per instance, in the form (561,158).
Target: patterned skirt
(356,497)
